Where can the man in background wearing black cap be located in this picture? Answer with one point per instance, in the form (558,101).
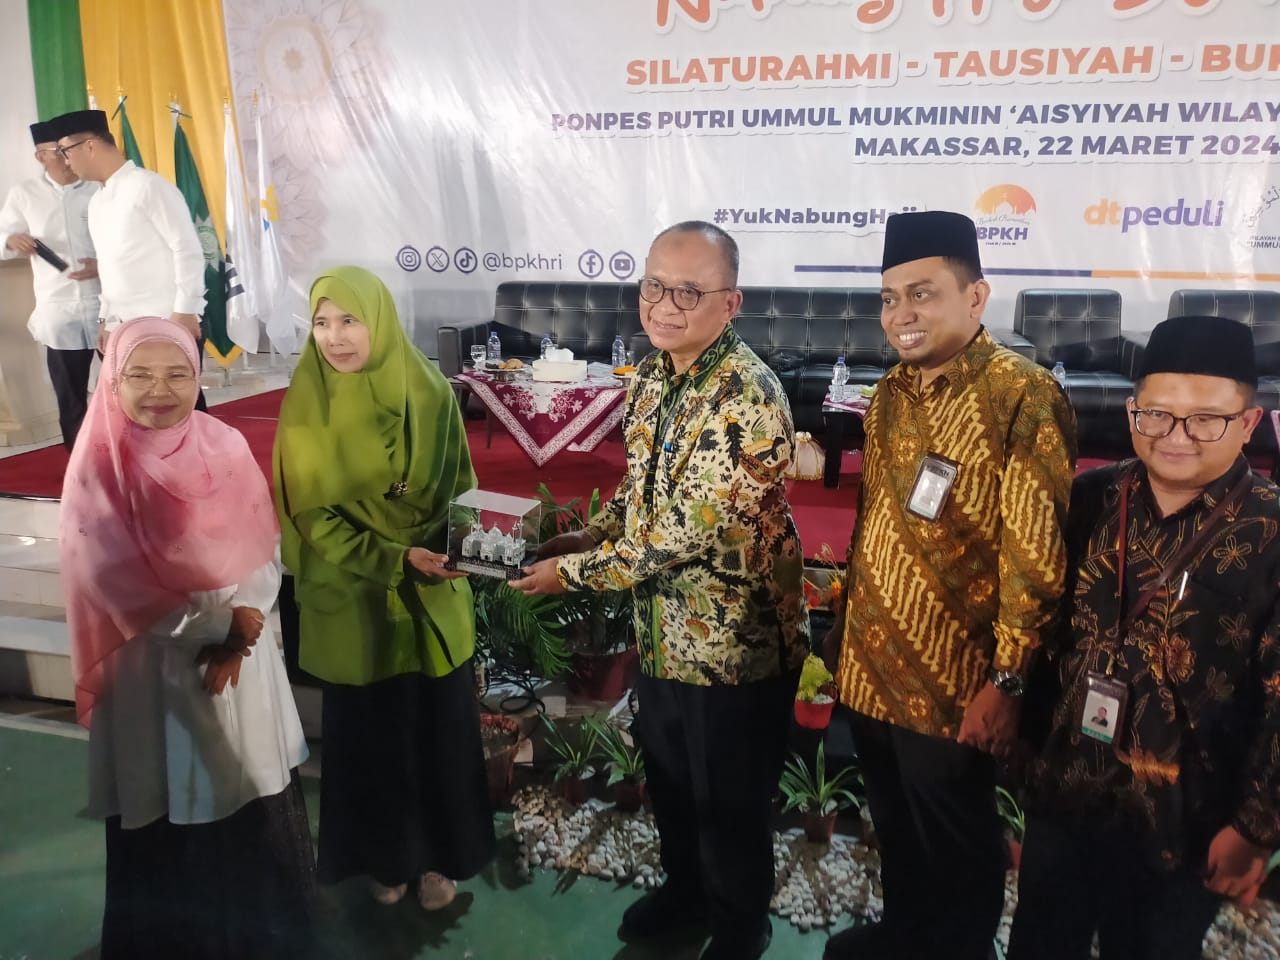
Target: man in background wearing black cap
(54,209)
(956,568)
(150,260)
(1137,831)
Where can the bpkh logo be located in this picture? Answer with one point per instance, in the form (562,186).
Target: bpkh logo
(1006,211)
(1111,213)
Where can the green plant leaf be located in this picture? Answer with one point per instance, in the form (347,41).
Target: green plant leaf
(812,791)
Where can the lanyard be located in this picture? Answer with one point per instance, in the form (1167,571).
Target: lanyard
(1188,551)
(660,443)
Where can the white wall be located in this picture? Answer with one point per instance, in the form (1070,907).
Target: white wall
(18,103)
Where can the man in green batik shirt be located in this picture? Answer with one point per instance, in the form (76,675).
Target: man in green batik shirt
(700,529)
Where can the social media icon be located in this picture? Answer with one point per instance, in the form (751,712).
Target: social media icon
(622,265)
(438,259)
(590,264)
(464,258)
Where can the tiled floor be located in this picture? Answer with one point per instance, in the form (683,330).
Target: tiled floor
(51,884)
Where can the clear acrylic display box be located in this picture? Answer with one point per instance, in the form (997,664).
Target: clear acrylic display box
(493,534)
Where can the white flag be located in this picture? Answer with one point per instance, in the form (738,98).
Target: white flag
(272,296)
(242,264)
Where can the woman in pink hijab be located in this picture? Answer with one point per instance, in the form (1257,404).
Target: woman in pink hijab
(169,565)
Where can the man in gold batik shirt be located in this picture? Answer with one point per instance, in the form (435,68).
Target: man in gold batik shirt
(956,567)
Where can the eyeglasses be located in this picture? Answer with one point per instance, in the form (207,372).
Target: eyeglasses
(146,382)
(1205,427)
(71,146)
(685,297)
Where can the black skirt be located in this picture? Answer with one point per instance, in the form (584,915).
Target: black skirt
(403,788)
(239,888)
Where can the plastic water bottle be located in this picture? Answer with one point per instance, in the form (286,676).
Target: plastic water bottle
(494,350)
(839,377)
(619,352)
(546,345)
(1060,374)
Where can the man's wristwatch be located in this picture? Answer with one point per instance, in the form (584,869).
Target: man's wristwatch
(1007,682)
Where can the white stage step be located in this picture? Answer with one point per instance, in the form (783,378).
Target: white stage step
(25,517)
(34,646)
(29,570)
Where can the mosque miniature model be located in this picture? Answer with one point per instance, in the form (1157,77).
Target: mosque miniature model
(492,534)
(493,545)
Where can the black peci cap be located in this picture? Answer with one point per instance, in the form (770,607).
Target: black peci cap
(930,233)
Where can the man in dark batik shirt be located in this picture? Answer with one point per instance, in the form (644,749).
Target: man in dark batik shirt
(1140,826)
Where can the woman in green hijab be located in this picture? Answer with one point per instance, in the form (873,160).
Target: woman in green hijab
(370,451)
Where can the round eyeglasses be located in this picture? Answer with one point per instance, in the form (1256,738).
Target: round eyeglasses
(685,297)
(1205,427)
(146,382)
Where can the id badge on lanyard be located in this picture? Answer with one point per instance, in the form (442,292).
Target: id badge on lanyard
(934,480)
(1102,711)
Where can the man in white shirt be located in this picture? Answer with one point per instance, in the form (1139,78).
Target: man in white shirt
(149,257)
(54,209)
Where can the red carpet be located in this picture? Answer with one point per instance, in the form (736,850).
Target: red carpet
(822,515)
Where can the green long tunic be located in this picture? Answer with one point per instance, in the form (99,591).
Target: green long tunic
(345,439)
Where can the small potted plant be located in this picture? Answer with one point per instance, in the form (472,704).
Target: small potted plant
(626,767)
(1015,822)
(818,797)
(576,761)
(823,589)
(501,737)
(816,694)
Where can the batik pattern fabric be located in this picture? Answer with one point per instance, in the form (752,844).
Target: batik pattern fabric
(1200,747)
(934,605)
(700,527)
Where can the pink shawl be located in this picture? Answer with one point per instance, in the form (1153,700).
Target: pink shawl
(149,516)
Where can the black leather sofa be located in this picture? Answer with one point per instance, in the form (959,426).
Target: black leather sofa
(1081,329)
(798,331)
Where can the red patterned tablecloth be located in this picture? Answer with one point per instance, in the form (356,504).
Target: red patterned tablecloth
(545,418)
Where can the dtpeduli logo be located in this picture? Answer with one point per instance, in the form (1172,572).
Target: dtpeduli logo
(1006,213)
(1180,213)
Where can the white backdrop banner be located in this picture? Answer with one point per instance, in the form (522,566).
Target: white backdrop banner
(454,144)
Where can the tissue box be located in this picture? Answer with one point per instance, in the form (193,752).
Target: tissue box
(493,534)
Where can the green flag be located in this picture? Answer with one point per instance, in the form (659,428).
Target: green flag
(128,144)
(218,345)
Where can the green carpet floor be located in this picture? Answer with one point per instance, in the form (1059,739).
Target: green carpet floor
(51,885)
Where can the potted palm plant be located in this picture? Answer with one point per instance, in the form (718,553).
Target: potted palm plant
(626,767)
(519,632)
(819,797)
(575,760)
(518,639)
(600,631)
(815,695)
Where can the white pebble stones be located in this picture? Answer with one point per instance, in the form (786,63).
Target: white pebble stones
(815,884)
